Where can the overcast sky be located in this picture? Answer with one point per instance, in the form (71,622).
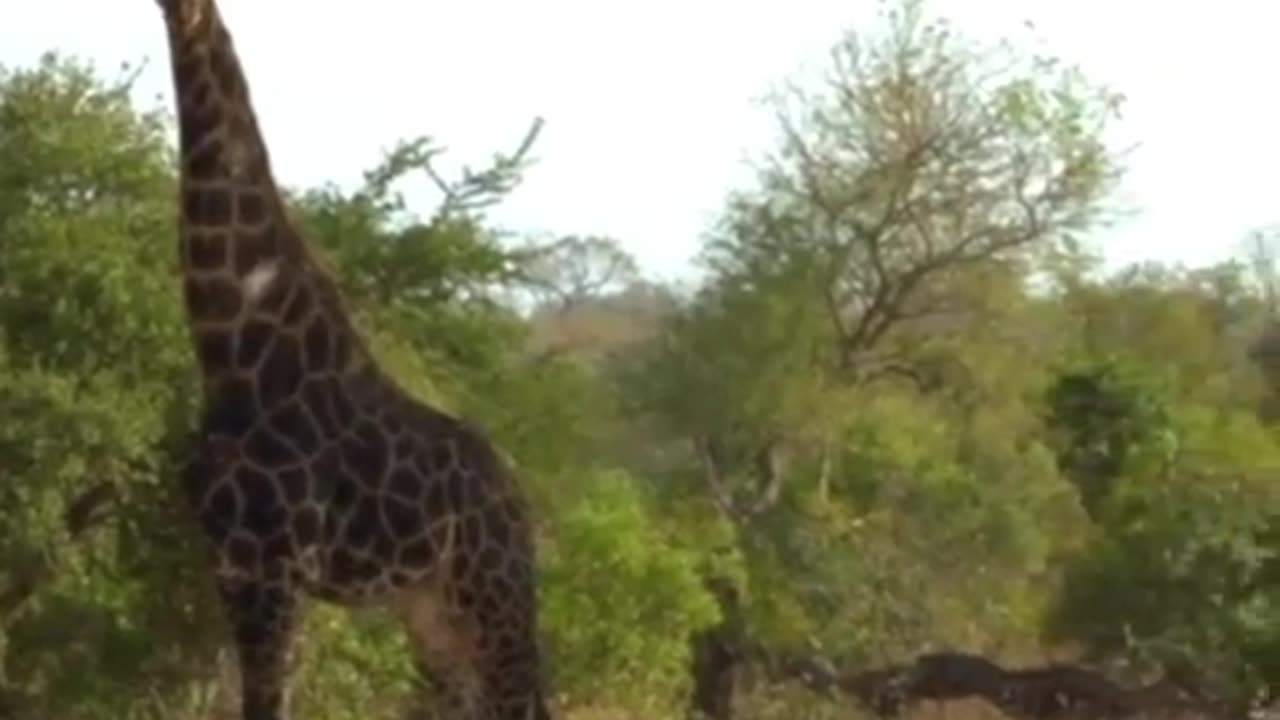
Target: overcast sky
(651,106)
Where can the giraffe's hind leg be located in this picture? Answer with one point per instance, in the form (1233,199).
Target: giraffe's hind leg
(441,649)
(477,653)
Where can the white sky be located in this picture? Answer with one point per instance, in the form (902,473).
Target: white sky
(650,106)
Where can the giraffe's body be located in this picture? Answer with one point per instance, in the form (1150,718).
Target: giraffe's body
(313,473)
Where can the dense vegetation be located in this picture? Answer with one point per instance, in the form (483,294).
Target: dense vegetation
(905,410)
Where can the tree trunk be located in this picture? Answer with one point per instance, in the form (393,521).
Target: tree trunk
(716,654)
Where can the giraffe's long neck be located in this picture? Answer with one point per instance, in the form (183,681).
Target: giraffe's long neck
(247,269)
(229,195)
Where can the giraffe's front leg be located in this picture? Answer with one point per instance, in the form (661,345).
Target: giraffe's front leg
(264,619)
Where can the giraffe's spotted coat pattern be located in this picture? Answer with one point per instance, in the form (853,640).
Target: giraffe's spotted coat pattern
(313,473)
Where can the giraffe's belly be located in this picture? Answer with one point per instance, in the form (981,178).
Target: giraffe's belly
(360,562)
(374,584)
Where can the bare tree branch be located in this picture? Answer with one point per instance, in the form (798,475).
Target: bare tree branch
(572,269)
(769,470)
(919,156)
(1052,692)
(475,190)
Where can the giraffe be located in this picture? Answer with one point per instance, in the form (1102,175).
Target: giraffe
(312,473)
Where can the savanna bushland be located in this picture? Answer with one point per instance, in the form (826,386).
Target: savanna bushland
(903,411)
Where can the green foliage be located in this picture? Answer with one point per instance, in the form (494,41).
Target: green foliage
(621,601)
(1110,418)
(917,501)
(85,206)
(873,417)
(353,666)
(94,365)
(1177,571)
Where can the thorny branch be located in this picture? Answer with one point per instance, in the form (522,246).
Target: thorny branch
(484,188)
(474,191)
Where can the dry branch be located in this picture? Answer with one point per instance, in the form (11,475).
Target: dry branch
(1052,692)
(769,474)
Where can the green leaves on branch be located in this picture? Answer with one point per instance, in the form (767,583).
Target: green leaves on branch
(622,598)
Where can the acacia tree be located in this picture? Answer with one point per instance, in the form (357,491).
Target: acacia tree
(574,269)
(921,160)
(921,156)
